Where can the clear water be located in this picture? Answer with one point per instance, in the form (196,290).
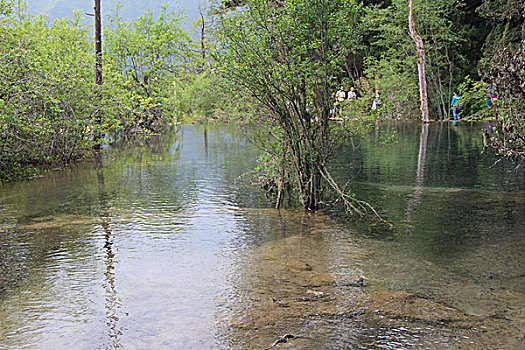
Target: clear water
(167,246)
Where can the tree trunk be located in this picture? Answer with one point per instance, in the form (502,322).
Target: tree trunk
(203,36)
(98,69)
(98,44)
(420,64)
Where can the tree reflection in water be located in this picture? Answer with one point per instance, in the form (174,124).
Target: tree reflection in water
(420,175)
(112,303)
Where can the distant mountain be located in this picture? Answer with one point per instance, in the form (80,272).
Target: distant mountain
(131,9)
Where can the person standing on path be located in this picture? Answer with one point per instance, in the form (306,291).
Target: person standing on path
(377,101)
(491,94)
(351,94)
(340,96)
(455,104)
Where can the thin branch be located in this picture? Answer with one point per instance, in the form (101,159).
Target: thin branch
(346,199)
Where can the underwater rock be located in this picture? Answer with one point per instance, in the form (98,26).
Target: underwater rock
(56,223)
(408,305)
(297,265)
(284,339)
(333,279)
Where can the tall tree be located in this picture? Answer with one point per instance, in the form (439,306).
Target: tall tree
(420,64)
(98,65)
(98,43)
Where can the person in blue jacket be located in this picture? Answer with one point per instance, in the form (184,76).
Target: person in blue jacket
(455,104)
(491,94)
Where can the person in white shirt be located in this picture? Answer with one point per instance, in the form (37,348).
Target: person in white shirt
(377,100)
(340,95)
(351,94)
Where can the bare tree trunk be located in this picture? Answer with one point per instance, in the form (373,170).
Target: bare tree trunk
(98,44)
(203,38)
(98,66)
(420,64)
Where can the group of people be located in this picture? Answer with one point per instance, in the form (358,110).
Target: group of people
(456,102)
(341,95)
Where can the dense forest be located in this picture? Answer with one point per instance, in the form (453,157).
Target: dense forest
(156,73)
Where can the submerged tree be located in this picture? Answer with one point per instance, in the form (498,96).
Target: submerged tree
(284,57)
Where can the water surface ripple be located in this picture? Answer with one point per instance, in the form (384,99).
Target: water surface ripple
(166,245)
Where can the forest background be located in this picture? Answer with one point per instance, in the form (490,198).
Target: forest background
(158,70)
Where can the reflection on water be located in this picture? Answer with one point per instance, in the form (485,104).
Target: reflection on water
(422,156)
(112,301)
(168,246)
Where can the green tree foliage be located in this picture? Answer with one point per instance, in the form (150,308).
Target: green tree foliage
(503,64)
(146,56)
(506,20)
(508,73)
(200,99)
(5,7)
(51,106)
(47,94)
(283,57)
(393,56)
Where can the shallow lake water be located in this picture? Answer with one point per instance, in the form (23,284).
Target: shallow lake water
(166,245)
